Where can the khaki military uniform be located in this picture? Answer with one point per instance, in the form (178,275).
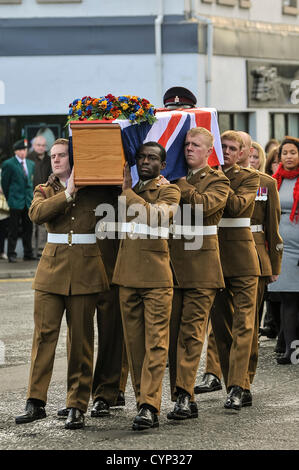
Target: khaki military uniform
(144,275)
(233,313)
(199,274)
(265,226)
(69,278)
(111,368)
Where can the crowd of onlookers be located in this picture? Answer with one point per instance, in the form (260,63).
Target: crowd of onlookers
(19,175)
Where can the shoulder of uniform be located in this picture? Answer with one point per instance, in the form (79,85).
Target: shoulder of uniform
(217,173)
(266,177)
(250,170)
(164,187)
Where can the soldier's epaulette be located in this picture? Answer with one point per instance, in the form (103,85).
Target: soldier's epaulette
(250,170)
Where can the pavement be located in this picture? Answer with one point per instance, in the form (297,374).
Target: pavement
(18,270)
(270,424)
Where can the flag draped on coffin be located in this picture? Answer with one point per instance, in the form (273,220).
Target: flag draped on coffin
(170,131)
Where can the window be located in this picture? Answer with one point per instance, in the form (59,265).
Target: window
(230,3)
(283,124)
(233,121)
(10,2)
(290,7)
(58,1)
(245,3)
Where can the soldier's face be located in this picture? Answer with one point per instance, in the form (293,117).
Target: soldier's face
(289,157)
(149,163)
(60,160)
(231,152)
(197,150)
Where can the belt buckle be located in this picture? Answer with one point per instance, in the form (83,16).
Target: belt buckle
(69,238)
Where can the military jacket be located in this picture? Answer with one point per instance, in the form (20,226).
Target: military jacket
(63,269)
(201,267)
(266,212)
(145,262)
(237,248)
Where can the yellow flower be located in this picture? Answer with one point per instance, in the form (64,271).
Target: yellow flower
(103,104)
(124,106)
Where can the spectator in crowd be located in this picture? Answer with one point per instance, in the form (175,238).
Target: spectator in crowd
(272,143)
(287,177)
(257,158)
(41,173)
(272,161)
(272,324)
(17,185)
(4,215)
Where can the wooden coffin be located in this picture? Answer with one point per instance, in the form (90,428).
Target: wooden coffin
(98,153)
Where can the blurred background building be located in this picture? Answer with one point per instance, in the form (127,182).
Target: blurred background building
(238,56)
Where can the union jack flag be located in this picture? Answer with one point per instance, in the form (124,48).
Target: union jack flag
(170,131)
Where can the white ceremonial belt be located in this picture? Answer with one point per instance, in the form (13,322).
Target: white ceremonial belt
(234,223)
(72,238)
(133,228)
(177,230)
(256,228)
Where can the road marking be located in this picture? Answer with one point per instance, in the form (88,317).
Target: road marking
(28,279)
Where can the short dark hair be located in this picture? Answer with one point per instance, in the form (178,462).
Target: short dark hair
(155,144)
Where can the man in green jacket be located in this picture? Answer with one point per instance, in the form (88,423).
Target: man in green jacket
(17,185)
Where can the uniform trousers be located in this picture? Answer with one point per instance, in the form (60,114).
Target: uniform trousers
(145,315)
(233,318)
(188,324)
(212,362)
(19,217)
(262,281)
(111,369)
(48,313)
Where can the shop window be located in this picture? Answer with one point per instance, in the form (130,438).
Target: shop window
(290,7)
(283,124)
(233,121)
(59,1)
(10,2)
(230,3)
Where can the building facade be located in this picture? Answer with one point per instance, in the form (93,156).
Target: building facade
(238,56)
